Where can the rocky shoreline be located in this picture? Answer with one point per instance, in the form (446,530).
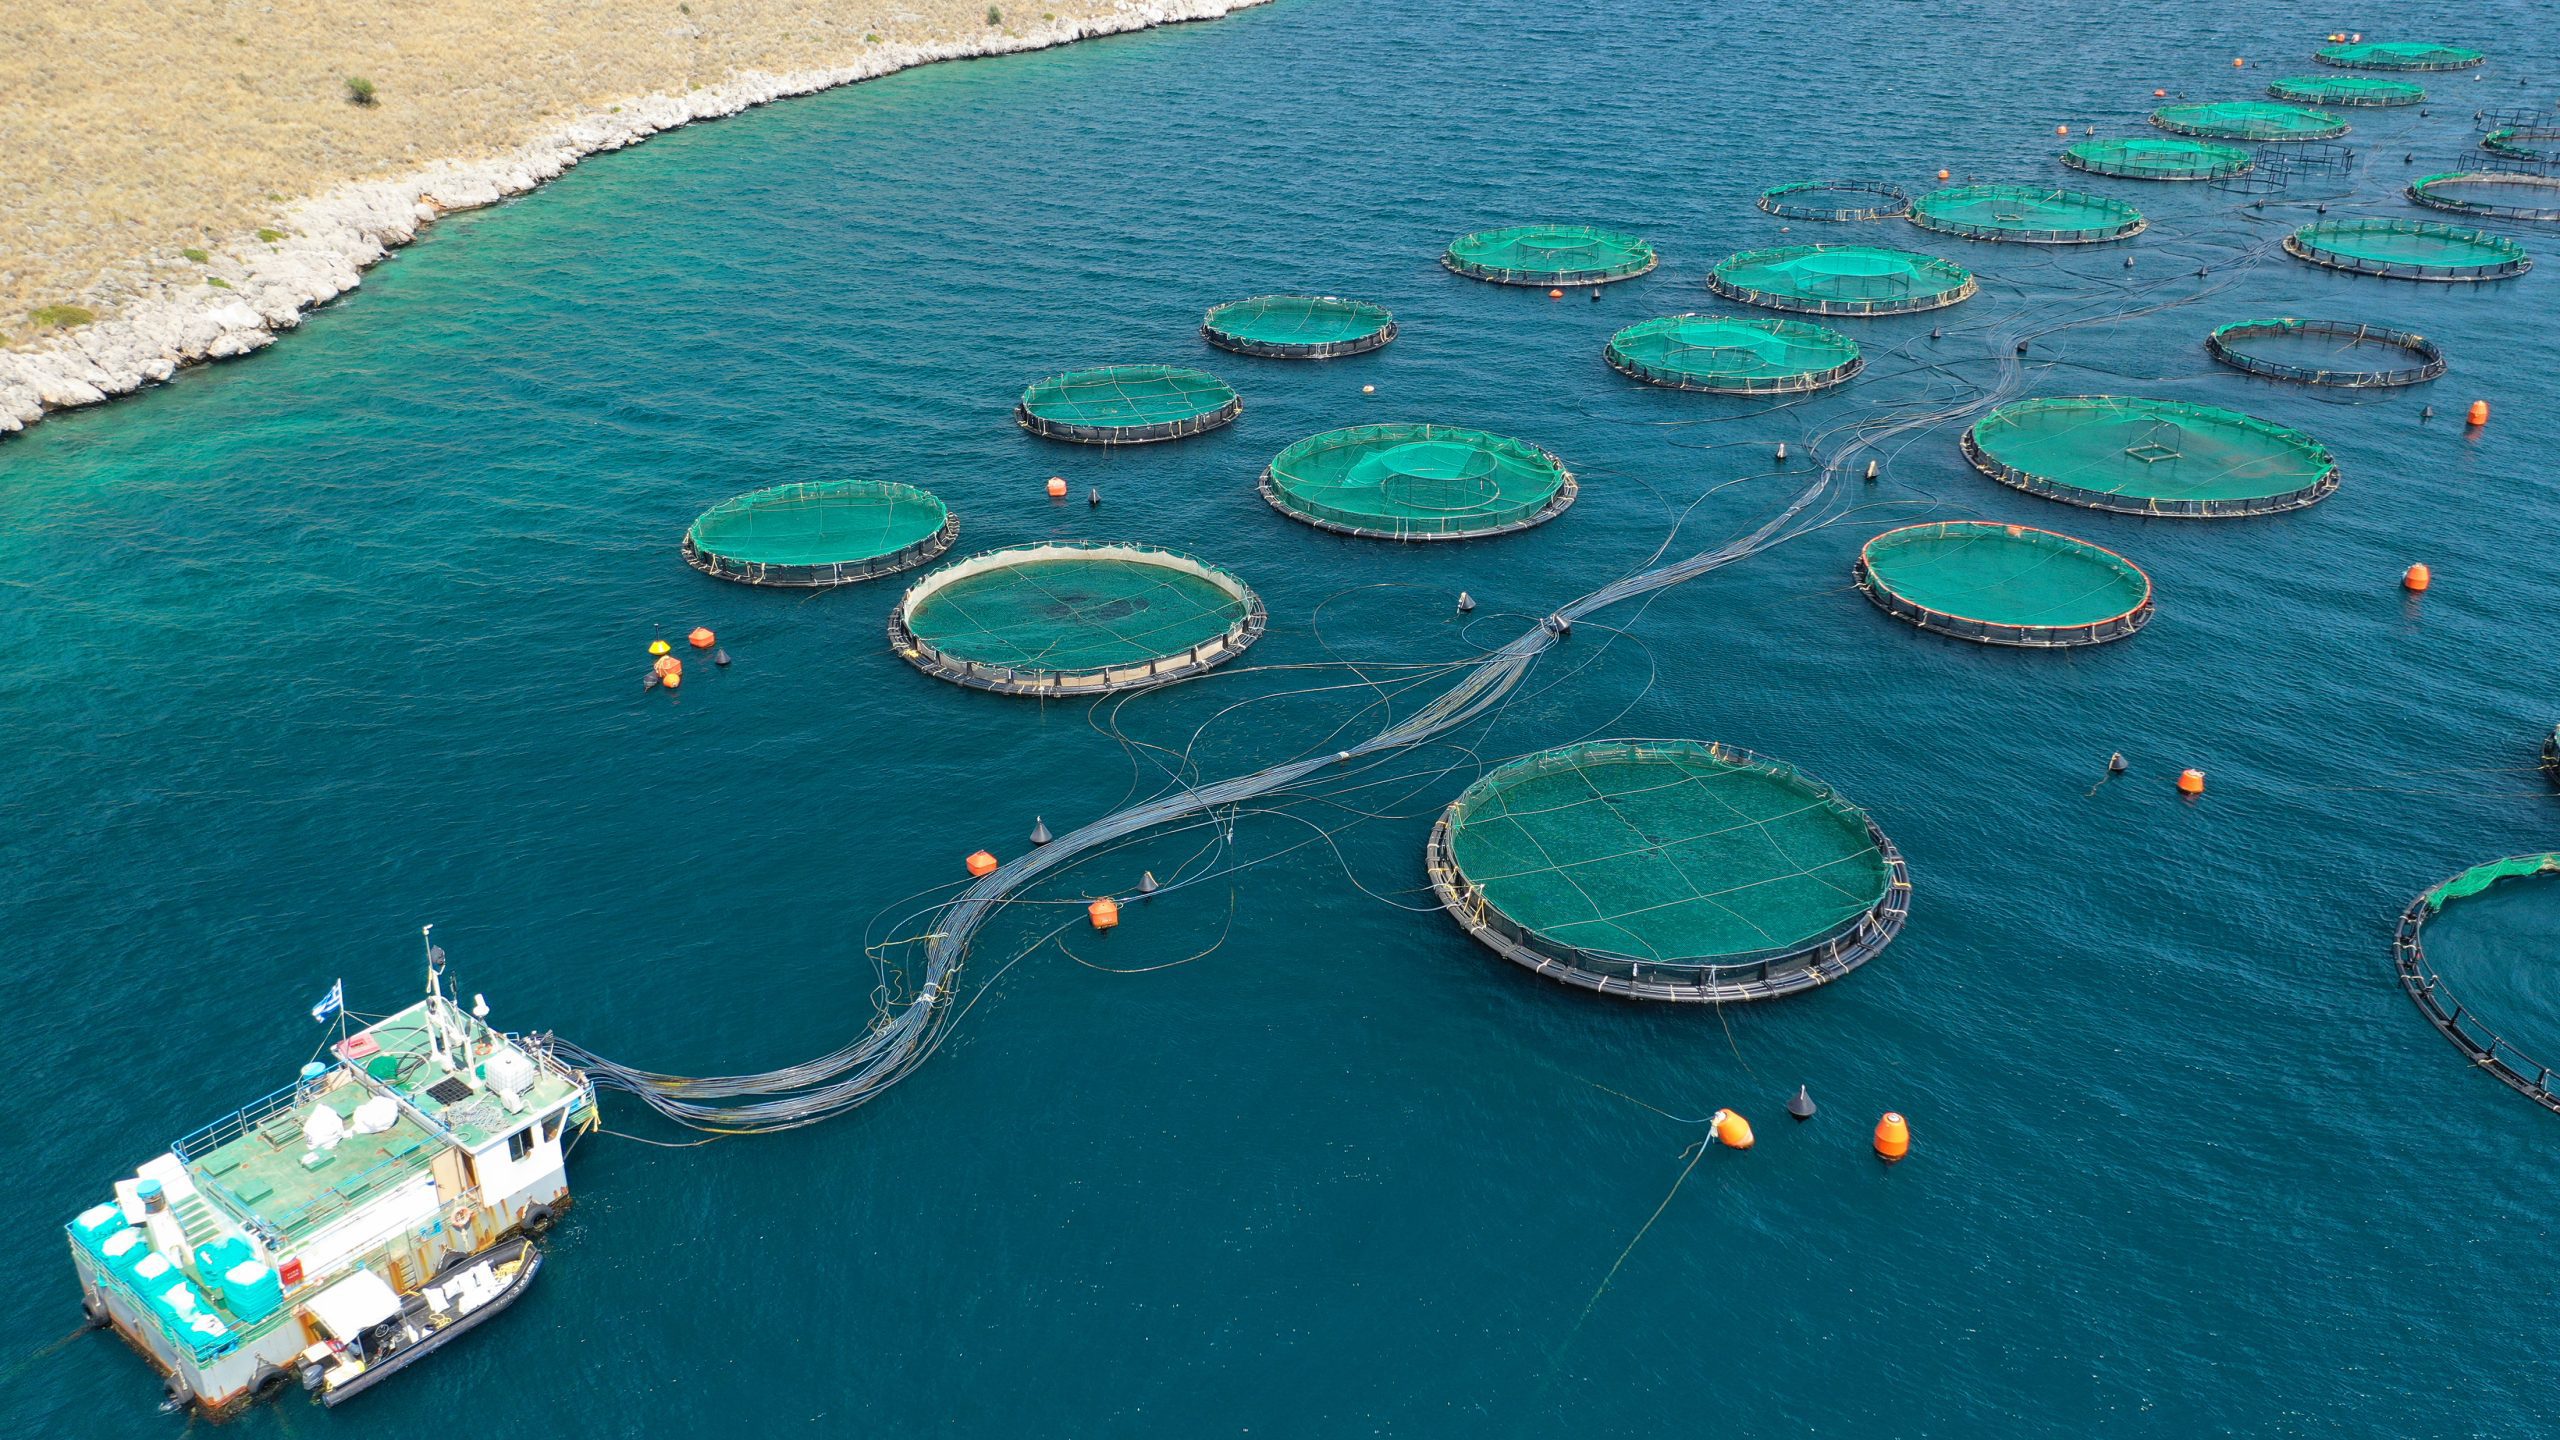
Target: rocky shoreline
(326,242)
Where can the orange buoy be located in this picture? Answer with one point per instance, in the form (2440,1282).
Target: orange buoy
(1057,487)
(702,637)
(2190,782)
(659,647)
(1942,174)
(981,863)
(1555,294)
(2159,94)
(668,665)
(2479,412)
(2417,577)
(2061,129)
(1893,1137)
(673,679)
(1104,913)
(2237,62)
(1368,389)
(1732,1130)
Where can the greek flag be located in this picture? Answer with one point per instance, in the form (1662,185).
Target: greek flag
(331,1003)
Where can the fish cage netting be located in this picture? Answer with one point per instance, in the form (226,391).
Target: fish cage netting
(2248,120)
(2494,195)
(2355,90)
(2004,584)
(1836,200)
(2025,215)
(2397,55)
(2150,457)
(2157,157)
(2408,250)
(1074,619)
(2469,1031)
(1298,327)
(2347,353)
(819,532)
(1127,404)
(2524,142)
(1553,255)
(1841,280)
(1405,481)
(1668,870)
(1733,354)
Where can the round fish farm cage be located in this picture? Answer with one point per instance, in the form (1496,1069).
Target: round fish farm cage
(2158,157)
(1074,619)
(2397,55)
(1668,870)
(1298,327)
(2471,1033)
(2025,215)
(2490,194)
(2248,120)
(1841,280)
(2539,143)
(1127,404)
(2352,90)
(1836,200)
(1417,482)
(1549,255)
(2346,353)
(2004,584)
(2150,457)
(2408,250)
(819,532)
(1733,354)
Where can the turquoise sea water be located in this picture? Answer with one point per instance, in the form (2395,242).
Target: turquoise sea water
(310,649)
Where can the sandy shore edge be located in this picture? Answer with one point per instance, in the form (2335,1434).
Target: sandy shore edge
(330,239)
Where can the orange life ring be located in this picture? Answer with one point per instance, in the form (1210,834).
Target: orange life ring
(462,1216)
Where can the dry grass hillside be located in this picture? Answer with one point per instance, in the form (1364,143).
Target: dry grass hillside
(137,131)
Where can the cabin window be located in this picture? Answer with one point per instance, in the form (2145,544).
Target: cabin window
(520,1144)
(551,1127)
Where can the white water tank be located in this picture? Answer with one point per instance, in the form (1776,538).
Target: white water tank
(510,1074)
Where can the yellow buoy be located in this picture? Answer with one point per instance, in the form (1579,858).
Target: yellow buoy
(659,647)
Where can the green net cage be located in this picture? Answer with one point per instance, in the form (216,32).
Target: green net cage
(1074,619)
(2025,215)
(1733,354)
(2524,142)
(1836,200)
(2408,250)
(2150,457)
(2471,1032)
(2001,584)
(820,532)
(2348,353)
(1841,280)
(1401,481)
(1127,404)
(2397,55)
(2158,157)
(1668,870)
(1553,255)
(1298,327)
(2348,90)
(2248,120)
(2490,194)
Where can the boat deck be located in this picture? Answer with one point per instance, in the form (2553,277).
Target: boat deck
(268,1171)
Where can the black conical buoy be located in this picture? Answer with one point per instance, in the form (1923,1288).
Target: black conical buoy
(1801,1107)
(1466,602)
(1039,831)
(1937,334)
(2115,763)
(2128,262)
(1093,498)
(2427,414)
(1595,294)
(720,657)
(2022,347)
(649,681)
(1147,883)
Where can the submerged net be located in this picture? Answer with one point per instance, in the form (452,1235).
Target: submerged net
(1298,327)
(2364,90)
(1836,200)
(2426,986)
(1549,255)
(1841,280)
(2397,55)
(2004,584)
(1127,404)
(1668,869)
(2157,157)
(2491,195)
(2408,250)
(2025,214)
(1733,355)
(2248,120)
(2347,353)
(823,532)
(2150,457)
(1401,481)
(2524,142)
(1074,619)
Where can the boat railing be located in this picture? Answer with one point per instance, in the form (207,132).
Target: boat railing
(199,1143)
(199,1347)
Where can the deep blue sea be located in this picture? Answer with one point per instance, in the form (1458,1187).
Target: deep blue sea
(309,649)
